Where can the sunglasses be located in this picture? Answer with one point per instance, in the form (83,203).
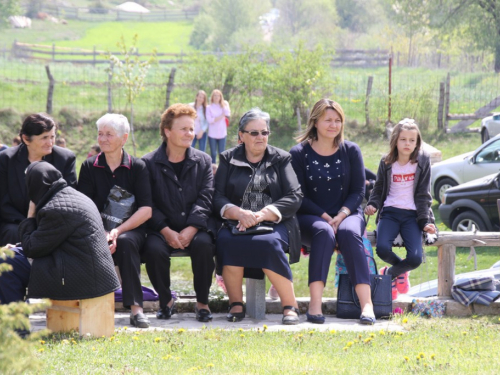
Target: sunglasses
(255,133)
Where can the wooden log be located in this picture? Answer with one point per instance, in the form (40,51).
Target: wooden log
(170,87)
(367,100)
(446,269)
(440,106)
(467,116)
(447,101)
(459,239)
(50,92)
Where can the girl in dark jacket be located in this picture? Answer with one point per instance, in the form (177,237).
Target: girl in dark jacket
(38,134)
(182,182)
(402,197)
(65,237)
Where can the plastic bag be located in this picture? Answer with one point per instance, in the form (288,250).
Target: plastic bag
(119,206)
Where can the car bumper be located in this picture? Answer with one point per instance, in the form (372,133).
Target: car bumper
(445,211)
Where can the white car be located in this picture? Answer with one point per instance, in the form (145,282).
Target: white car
(490,127)
(465,167)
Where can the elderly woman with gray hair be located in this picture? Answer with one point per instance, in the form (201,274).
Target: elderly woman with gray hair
(98,174)
(255,185)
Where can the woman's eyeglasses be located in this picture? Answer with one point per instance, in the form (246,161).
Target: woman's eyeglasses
(255,133)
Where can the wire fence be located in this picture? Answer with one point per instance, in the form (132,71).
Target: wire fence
(84,89)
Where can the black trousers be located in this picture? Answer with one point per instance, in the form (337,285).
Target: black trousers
(9,234)
(13,283)
(128,258)
(157,257)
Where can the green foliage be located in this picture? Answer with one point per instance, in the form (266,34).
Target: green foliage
(34,6)
(8,8)
(222,23)
(131,73)
(16,354)
(356,15)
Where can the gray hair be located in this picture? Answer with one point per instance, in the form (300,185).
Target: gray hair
(251,115)
(115,121)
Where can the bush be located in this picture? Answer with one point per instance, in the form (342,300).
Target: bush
(70,118)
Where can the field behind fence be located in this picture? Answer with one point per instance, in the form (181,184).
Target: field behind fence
(84,88)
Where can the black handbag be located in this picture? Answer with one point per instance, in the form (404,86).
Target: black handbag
(348,303)
(261,228)
(119,206)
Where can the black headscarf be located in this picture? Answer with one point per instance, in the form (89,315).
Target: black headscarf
(43,180)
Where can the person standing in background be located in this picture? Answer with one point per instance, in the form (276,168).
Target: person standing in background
(200,123)
(217,112)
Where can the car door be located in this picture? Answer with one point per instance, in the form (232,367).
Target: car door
(484,162)
(490,204)
(493,126)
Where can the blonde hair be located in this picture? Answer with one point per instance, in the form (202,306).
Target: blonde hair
(318,110)
(204,103)
(404,124)
(222,102)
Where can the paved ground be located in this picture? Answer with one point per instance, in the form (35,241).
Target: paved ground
(273,322)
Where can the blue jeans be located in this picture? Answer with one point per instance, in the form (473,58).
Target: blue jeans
(393,221)
(202,142)
(214,143)
(13,283)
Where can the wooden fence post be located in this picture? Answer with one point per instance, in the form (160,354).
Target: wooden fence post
(440,105)
(170,86)
(367,99)
(446,269)
(446,102)
(50,92)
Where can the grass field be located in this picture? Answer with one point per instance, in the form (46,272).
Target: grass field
(444,346)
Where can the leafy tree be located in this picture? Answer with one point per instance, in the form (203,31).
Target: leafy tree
(8,8)
(356,15)
(131,72)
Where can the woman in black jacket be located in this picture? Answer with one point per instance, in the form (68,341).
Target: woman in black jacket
(65,237)
(182,182)
(256,183)
(38,134)
(98,174)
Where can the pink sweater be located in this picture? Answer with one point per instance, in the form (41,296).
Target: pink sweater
(217,129)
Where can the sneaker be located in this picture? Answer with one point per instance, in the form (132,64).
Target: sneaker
(273,293)
(403,282)
(220,282)
(394,290)
(383,271)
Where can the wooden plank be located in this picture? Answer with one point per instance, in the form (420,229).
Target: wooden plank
(441,106)
(446,269)
(447,101)
(481,112)
(98,316)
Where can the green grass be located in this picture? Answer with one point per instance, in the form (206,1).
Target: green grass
(445,346)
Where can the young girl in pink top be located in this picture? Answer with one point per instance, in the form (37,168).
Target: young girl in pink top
(402,197)
(217,112)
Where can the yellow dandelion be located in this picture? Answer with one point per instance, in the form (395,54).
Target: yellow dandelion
(345,348)
(405,320)
(360,337)
(421,355)
(349,344)
(135,338)
(112,338)
(425,365)
(366,341)
(464,333)
(476,337)
(240,329)
(73,342)
(382,332)
(41,350)
(264,326)
(93,348)
(210,365)
(311,332)
(355,341)
(125,328)
(157,339)
(418,358)
(447,335)
(433,356)
(242,335)
(167,357)
(333,332)
(42,342)
(406,358)
(181,330)
(372,335)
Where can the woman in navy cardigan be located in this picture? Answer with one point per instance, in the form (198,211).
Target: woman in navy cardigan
(332,177)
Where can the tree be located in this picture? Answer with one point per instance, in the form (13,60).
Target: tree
(356,15)
(8,8)
(131,72)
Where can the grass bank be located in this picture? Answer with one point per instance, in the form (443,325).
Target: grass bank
(445,346)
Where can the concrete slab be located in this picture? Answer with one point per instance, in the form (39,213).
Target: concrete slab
(187,321)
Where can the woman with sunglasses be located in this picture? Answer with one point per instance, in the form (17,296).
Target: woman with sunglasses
(255,183)
(332,175)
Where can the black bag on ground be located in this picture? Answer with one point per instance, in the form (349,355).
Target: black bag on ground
(119,206)
(348,303)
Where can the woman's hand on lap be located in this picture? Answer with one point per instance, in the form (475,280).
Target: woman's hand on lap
(186,235)
(246,219)
(172,238)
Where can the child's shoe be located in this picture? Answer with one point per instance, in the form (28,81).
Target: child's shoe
(273,293)
(403,283)
(383,271)
(220,282)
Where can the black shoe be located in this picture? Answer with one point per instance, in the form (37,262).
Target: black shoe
(235,317)
(316,319)
(203,315)
(166,312)
(367,319)
(140,320)
(290,319)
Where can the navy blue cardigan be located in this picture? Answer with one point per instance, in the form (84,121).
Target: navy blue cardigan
(353,177)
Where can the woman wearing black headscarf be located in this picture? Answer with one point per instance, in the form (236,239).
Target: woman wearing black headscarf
(65,237)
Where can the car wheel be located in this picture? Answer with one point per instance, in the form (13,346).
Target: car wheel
(441,187)
(485,135)
(468,221)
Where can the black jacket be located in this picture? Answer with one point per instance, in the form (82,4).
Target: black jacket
(71,258)
(14,199)
(185,201)
(421,189)
(234,174)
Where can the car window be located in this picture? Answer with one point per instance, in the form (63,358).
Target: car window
(489,154)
